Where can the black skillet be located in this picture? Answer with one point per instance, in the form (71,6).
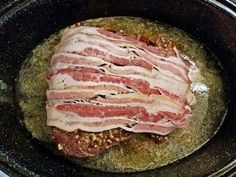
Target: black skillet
(25,23)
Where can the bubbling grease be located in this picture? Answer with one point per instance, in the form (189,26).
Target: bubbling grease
(139,153)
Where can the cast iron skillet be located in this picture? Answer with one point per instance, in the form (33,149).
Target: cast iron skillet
(24,24)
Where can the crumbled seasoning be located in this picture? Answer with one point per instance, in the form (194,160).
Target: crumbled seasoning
(158,138)
(84,144)
(59,146)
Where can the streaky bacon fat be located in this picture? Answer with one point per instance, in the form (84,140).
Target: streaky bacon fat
(101,80)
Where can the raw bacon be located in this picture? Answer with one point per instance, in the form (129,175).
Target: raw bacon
(103,81)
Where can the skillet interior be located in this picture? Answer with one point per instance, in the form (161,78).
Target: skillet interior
(31,21)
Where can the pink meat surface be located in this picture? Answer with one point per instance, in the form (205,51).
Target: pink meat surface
(100,81)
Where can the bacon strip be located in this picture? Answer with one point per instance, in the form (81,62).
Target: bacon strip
(72,33)
(68,78)
(72,61)
(100,80)
(99,42)
(162,126)
(153,103)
